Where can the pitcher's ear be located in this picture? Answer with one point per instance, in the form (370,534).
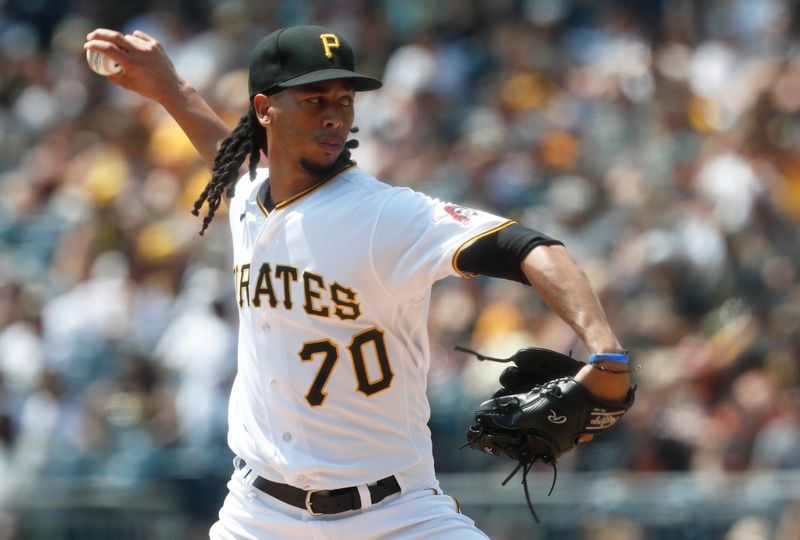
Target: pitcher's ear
(262,105)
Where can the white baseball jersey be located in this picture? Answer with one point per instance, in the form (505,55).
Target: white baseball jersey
(333,287)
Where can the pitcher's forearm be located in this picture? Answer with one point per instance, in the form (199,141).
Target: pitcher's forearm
(566,290)
(204,128)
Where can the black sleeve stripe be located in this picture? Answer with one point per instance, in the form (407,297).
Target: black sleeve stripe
(472,241)
(499,253)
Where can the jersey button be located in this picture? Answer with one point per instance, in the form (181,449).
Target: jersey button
(266,328)
(287,436)
(273,383)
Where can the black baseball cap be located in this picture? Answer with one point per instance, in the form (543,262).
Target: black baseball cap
(300,55)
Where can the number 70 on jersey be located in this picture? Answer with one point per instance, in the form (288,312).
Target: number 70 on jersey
(364,346)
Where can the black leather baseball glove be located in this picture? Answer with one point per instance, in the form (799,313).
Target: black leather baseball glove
(540,411)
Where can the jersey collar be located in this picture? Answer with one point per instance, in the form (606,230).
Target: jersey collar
(263,191)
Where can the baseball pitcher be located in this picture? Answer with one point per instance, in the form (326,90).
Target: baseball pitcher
(332,273)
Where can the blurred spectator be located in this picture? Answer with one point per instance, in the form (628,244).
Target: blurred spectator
(199,347)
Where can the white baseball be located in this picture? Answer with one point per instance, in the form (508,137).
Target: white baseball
(101,64)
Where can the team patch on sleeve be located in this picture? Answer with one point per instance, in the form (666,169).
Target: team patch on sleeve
(461,214)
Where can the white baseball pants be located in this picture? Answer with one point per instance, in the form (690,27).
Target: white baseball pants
(428,514)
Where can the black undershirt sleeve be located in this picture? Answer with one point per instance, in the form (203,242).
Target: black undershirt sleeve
(501,254)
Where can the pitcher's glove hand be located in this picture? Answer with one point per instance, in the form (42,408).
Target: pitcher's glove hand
(540,421)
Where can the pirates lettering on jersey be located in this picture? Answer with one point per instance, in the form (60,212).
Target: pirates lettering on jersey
(287,274)
(312,283)
(274,286)
(242,275)
(264,287)
(347,307)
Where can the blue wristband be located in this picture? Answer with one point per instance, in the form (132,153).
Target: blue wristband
(620,358)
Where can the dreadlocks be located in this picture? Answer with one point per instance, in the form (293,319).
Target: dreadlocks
(249,138)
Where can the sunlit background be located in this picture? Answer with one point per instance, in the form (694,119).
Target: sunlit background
(660,140)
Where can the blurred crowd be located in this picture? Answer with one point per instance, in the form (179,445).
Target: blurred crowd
(659,140)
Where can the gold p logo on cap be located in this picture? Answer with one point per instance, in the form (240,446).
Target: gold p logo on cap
(329,41)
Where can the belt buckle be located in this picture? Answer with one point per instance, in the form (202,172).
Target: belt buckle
(309,493)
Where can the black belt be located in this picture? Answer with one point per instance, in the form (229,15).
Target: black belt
(321,501)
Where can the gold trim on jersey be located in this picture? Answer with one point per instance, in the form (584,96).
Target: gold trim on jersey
(260,197)
(293,198)
(471,241)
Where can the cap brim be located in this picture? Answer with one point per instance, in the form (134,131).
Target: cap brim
(362,83)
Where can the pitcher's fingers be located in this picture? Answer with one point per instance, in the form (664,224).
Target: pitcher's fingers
(105,34)
(585,438)
(143,36)
(138,42)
